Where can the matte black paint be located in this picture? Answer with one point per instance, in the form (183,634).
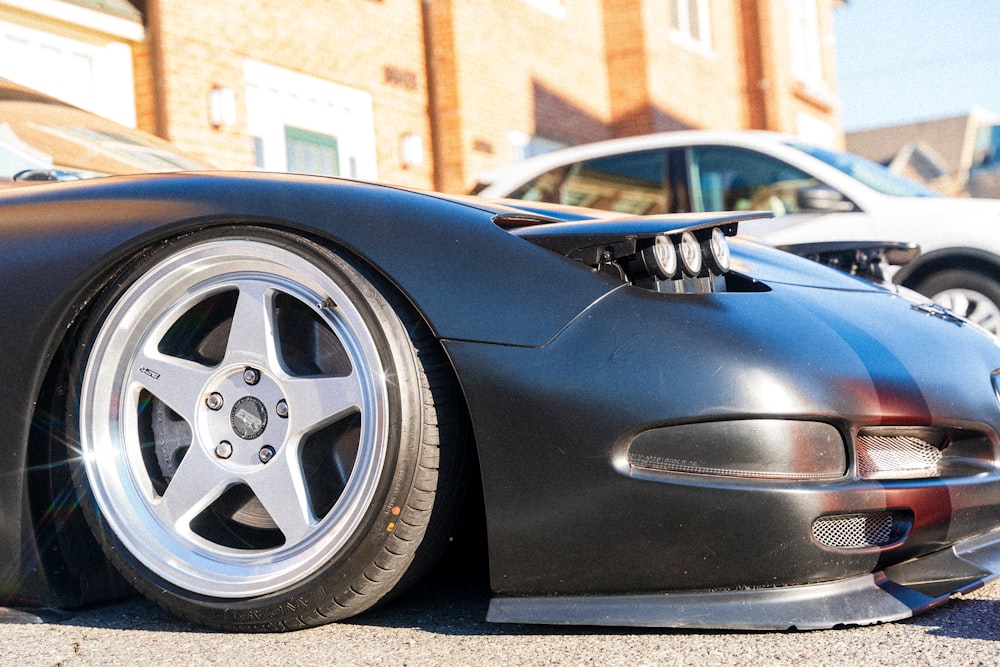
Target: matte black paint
(583,362)
(584,525)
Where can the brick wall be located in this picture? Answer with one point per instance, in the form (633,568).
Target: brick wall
(371,45)
(608,68)
(502,71)
(691,87)
(507,66)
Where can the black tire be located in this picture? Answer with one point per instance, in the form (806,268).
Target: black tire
(969,294)
(276,473)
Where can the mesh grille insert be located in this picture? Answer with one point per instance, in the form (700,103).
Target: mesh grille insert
(854,531)
(896,456)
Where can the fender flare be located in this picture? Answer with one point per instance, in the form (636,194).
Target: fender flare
(973,259)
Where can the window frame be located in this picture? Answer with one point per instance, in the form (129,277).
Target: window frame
(629,198)
(696,199)
(805,44)
(691,24)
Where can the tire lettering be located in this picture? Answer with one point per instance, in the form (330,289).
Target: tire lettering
(306,601)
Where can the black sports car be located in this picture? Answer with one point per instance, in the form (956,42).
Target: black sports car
(266,399)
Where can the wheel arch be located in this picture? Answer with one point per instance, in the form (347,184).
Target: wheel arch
(61,560)
(970,259)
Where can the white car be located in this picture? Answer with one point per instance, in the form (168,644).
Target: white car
(820,196)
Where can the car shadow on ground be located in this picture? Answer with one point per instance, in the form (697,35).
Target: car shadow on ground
(962,619)
(456,606)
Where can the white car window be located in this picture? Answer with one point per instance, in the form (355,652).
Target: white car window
(870,173)
(723,178)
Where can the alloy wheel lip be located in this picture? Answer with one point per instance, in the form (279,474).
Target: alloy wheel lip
(170,552)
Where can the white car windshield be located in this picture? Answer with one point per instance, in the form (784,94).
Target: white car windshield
(870,173)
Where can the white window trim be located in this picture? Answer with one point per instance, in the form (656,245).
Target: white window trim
(684,35)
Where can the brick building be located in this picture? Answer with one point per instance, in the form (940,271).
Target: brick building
(425,93)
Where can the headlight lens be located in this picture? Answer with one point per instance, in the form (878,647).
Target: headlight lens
(716,251)
(749,448)
(690,251)
(661,258)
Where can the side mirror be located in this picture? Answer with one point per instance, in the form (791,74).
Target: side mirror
(46,175)
(822,197)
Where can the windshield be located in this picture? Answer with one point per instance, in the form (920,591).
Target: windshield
(870,173)
(39,132)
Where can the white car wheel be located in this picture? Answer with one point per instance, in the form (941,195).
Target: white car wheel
(969,294)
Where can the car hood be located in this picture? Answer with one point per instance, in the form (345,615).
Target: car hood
(931,222)
(764,263)
(971,210)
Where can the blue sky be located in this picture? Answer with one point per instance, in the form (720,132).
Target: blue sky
(904,60)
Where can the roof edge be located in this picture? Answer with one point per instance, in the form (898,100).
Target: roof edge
(117,18)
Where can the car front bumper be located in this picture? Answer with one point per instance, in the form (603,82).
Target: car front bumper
(893,594)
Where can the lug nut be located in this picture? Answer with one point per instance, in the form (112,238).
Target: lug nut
(281,409)
(251,376)
(266,453)
(214,401)
(224,450)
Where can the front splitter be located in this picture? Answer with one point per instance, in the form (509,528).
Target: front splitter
(891,595)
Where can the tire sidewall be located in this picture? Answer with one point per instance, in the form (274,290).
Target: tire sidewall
(962,279)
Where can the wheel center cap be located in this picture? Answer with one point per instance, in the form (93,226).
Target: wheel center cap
(248,418)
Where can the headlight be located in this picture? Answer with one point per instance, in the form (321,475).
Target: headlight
(690,251)
(716,251)
(780,449)
(660,259)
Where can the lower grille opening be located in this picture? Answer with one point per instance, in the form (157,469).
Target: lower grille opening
(860,531)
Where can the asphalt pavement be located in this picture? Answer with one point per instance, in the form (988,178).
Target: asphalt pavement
(441,623)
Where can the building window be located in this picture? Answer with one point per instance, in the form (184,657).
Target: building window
(987,147)
(311,152)
(555,8)
(690,23)
(806,45)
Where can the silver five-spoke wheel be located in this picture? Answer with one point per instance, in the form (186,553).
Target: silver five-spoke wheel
(246,406)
